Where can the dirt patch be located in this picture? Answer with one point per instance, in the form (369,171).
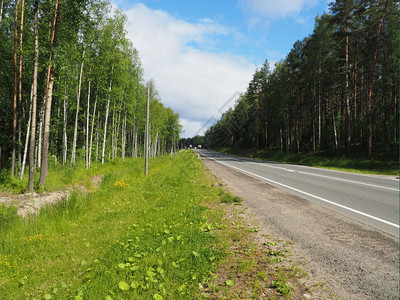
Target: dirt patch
(349,259)
(31,203)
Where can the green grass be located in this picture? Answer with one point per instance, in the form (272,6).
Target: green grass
(135,237)
(382,165)
(174,234)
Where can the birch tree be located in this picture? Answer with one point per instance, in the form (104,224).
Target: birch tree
(49,96)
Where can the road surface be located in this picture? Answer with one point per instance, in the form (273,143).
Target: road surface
(372,200)
(344,227)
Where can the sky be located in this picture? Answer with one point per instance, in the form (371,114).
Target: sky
(203,54)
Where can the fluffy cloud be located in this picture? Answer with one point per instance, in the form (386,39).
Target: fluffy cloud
(274,8)
(191,75)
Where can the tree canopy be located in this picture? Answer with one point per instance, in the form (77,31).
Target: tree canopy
(89,76)
(337,90)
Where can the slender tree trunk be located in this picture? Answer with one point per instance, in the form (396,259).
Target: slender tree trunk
(78,96)
(174,145)
(146,137)
(105,131)
(49,96)
(370,87)
(113,132)
(34,100)
(123,138)
(355,115)
(155,145)
(21,175)
(97,141)
(87,128)
(20,82)
(105,123)
(65,117)
(319,108)
(117,132)
(15,91)
(334,129)
(40,134)
(347,112)
(136,143)
(91,132)
(1,15)
(46,132)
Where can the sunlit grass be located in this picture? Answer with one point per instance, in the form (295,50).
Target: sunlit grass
(135,237)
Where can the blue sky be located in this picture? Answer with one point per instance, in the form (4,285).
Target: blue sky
(202,54)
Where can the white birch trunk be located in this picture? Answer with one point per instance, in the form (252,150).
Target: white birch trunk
(97,142)
(123,138)
(21,175)
(87,128)
(334,128)
(39,152)
(146,137)
(78,96)
(91,132)
(1,11)
(105,131)
(105,123)
(65,138)
(117,131)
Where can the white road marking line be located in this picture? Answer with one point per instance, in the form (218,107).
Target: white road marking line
(311,195)
(329,177)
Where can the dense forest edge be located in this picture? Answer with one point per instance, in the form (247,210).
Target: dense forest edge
(72,89)
(334,97)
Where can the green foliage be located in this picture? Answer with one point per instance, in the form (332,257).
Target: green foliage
(93,35)
(282,287)
(310,104)
(228,198)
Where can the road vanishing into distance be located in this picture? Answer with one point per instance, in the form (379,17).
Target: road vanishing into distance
(372,200)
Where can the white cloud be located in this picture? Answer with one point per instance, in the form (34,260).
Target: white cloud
(275,8)
(193,128)
(190,79)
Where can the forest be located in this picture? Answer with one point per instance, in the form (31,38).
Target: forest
(335,93)
(72,88)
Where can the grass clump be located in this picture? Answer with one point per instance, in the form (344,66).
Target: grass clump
(229,198)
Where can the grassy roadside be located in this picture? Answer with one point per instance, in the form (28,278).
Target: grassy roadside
(171,235)
(381,166)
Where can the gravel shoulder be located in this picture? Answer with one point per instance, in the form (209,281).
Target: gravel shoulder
(354,261)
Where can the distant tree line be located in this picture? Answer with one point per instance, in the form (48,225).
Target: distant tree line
(191,142)
(72,88)
(336,91)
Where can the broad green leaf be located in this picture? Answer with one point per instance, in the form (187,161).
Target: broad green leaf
(123,285)
(229,282)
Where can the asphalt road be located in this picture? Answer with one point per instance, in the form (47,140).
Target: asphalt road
(372,200)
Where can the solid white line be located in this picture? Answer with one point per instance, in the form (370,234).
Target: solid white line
(329,177)
(351,181)
(311,195)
